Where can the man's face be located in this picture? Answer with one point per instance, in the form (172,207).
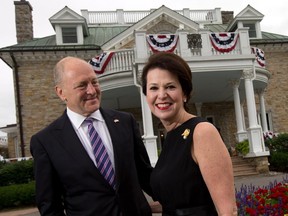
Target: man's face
(80,88)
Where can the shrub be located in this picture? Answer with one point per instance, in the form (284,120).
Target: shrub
(278,143)
(243,147)
(17,195)
(278,146)
(279,161)
(16,172)
(2,163)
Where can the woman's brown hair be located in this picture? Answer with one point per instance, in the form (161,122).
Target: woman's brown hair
(175,65)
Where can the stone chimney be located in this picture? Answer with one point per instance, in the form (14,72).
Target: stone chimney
(227,16)
(24,22)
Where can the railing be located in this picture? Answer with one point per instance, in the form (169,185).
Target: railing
(129,17)
(121,61)
(241,47)
(202,16)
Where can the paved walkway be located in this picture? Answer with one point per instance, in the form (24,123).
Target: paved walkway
(256,180)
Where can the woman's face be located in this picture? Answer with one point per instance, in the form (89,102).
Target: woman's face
(164,95)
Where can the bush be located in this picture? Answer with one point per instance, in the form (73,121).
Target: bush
(278,143)
(2,163)
(17,195)
(278,146)
(243,147)
(279,161)
(16,172)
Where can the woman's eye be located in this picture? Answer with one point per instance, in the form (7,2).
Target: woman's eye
(153,88)
(170,87)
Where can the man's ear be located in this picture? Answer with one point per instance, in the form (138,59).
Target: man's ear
(59,92)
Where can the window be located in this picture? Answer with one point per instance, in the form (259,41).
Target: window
(69,35)
(252,29)
(268,119)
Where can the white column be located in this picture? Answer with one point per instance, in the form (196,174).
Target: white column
(141,49)
(262,110)
(241,133)
(255,134)
(206,44)
(182,45)
(243,117)
(252,114)
(150,140)
(244,40)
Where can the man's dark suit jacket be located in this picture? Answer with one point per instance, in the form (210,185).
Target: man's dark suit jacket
(66,177)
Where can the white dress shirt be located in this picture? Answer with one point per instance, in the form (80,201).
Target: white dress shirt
(81,129)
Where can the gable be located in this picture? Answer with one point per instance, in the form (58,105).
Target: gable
(151,23)
(68,16)
(250,12)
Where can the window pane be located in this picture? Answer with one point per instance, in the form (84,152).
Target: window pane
(252,30)
(69,35)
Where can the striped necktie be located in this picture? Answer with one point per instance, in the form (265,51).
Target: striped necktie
(102,158)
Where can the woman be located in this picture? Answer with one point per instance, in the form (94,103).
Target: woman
(194,174)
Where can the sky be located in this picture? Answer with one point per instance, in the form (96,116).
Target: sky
(275,21)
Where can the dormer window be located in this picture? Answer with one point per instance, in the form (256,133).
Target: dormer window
(70,27)
(252,29)
(250,19)
(69,35)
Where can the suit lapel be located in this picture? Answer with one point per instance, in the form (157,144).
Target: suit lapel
(69,140)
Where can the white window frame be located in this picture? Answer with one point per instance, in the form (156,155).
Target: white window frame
(268,119)
(59,35)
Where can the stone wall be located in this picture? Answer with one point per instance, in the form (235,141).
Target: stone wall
(276,95)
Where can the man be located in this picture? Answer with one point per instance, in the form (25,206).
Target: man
(68,181)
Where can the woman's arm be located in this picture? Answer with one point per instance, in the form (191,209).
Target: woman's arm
(212,156)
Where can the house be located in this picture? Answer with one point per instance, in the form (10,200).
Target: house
(9,142)
(239,72)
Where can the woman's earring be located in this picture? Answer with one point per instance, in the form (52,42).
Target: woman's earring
(185,100)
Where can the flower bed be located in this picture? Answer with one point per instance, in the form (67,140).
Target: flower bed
(271,200)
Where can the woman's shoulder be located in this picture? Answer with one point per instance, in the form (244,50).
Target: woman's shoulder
(203,127)
(195,120)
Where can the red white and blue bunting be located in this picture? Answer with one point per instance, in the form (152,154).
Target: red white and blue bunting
(259,55)
(100,62)
(163,42)
(224,42)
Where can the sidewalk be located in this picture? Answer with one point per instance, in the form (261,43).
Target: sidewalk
(256,180)
(21,212)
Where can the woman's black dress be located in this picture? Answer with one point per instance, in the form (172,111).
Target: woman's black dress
(176,181)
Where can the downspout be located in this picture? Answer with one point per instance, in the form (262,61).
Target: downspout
(17,91)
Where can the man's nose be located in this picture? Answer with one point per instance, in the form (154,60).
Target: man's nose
(90,89)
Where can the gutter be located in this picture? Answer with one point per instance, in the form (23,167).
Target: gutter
(17,91)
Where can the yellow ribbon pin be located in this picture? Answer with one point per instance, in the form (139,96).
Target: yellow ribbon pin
(186,133)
